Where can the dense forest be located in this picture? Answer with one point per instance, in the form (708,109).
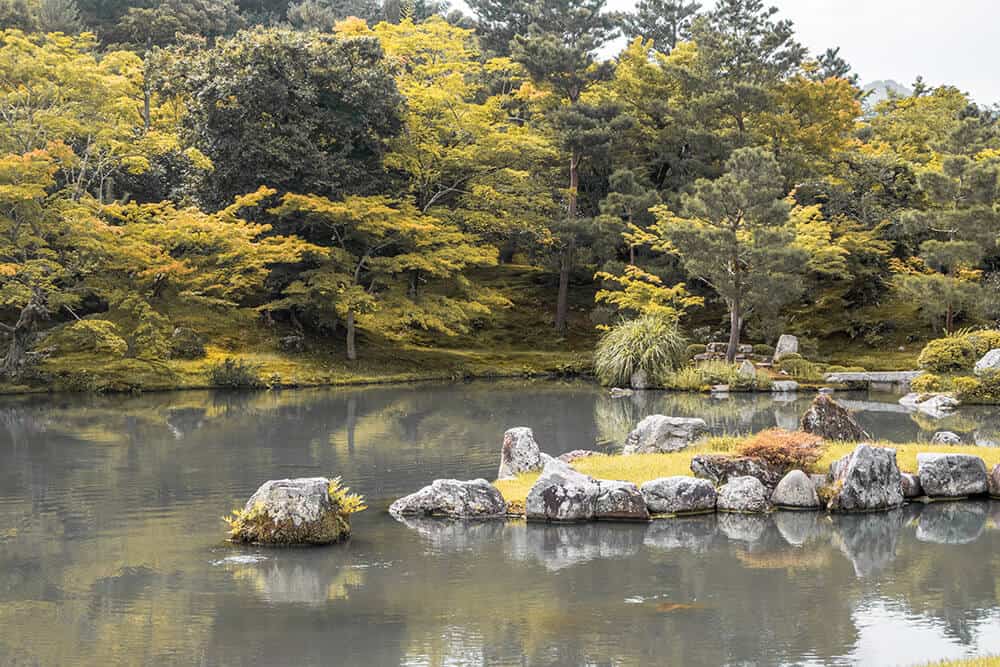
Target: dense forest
(221,189)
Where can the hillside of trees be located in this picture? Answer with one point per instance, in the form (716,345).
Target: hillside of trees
(193,191)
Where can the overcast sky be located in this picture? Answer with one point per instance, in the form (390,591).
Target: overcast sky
(956,42)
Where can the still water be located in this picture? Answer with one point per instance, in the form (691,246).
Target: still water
(111,547)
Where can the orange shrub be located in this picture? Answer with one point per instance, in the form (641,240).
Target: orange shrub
(785,449)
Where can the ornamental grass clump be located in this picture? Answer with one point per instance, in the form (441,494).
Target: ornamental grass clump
(650,344)
(788,450)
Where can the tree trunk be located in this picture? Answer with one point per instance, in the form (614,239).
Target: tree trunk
(562,303)
(352,352)
(20,334)
(949,320)
(574,182)
(735,324)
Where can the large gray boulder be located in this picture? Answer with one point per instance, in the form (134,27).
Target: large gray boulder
(990,363)
(952,475)
(562,494)
(745,495)
(619,501)
(911,486)
(476,499)
(796,491)
(946,438)
(831,421)
(994,482)
(787,344)
(719,469)
(658,433)
(865,480)
(292,511)
(519,453)
(679,495)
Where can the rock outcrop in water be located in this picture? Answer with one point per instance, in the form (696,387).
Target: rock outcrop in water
(476,499)
(519,453)
(831,421)
(292,511)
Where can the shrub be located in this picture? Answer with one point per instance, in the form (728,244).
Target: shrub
(688,378)
(763,350)
(927,383)
(236,374)
(95,336)
(984,341)
(954,353)
(186,344)
(791,356)
(787,450)
(695,349)
(801,369)
(719,372)
(649,343)
(978,391)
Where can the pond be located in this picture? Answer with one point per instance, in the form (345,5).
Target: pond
(111,547)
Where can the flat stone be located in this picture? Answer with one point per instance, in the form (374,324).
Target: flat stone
(894,377)
(946,438)
(719,469)
(952,475)
(519,453)
(796,491)
(679,495)
(475,499)
(619,501)
(661,434)
(911,486)
(831,421)
(744,495)
(990,363)
(867,479)
(562,494)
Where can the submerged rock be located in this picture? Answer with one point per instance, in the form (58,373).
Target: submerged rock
(946,438)
(911,486)
(679,495)
(519,453)
(866,479)
(719,469)
(659,433)
(476,499)
(796,491)
(745,495)
(292,511)
(562,494)
(952,475)
(831,421)
(619,501)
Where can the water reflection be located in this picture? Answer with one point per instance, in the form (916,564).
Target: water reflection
(111,551)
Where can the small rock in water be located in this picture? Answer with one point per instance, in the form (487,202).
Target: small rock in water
(745,495)
(831,421)
(476,499)
(952,475)
(679,495)
(292,511)
(911,486)
(659,433)
(946,438)
(519,453)
(619,501)
(796,491)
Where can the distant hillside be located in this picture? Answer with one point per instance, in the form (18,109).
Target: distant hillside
(881,90)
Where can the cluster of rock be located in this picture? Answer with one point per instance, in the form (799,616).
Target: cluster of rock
(934,405)
(717,352)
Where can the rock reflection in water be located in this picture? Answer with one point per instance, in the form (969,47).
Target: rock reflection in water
(869,540)
(952,522)
(696,533)
(447,535)
(561,546)
(296,576)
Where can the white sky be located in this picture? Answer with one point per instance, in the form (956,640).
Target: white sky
(956,42)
